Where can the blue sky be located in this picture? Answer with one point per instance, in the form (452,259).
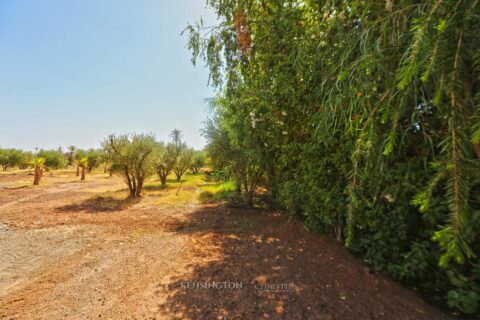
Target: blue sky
(73,72)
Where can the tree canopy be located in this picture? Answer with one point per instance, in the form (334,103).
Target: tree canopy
(133,157)
(362,117)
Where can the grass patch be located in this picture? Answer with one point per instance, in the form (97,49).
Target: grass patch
(219,191)
(175,192)
(218,187)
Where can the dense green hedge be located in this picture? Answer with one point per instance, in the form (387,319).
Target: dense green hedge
(363,118)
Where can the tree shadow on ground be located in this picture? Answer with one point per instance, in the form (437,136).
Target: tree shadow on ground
(158,187)
(254,264)
(99,204)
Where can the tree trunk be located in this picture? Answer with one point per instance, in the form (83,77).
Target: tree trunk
(83,174)
(163,179)
(248,195)
(37,176)
(134,186)
(78,170)
(105,169)
(138,192)
(129,182)
(270,177)
(238,188)
(249,199)
(476,148)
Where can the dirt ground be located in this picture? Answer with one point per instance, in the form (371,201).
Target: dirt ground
(78,250)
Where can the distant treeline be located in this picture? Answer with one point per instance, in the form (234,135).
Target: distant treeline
(54,159)
(136,157)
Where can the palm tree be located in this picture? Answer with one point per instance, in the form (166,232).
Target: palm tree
(70,156)
(177,136)
(82,163)
(38,165)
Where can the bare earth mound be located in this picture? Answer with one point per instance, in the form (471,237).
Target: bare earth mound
(67,254)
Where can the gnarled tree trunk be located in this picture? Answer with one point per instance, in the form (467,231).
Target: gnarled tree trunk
(139,188)
(163,179)
(37,176)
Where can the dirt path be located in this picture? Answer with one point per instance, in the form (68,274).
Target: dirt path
(66,256)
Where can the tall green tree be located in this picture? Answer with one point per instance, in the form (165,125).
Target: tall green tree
(340,103)
(177,135)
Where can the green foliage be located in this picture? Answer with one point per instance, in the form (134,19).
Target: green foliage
(198,161)
(54,159)
(183,161)
(37,164)
(94,158)
(165,161)
(337,108)
(79,154)
(83,162)
(176,135)
(466,294)
(12,158)
(220,191)
(133,157)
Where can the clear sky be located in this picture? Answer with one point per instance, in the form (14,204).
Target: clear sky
(74,71)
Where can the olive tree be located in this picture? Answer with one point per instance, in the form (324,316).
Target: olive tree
(133,157)
(183,162)
(165,162)
(11,158)
(94,159)
(54,159)
(198,161)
